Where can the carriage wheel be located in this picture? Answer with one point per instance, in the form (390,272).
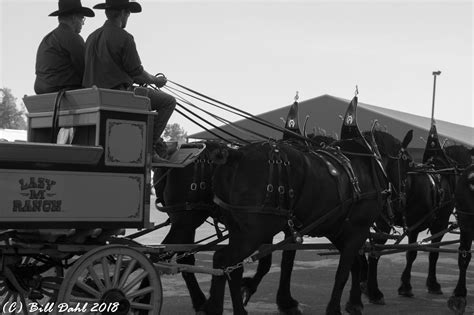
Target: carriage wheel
(117,279)
(39,282)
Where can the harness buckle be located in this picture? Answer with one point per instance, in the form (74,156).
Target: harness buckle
(291,193)
(202,185)
(193,186)
(291,224)
(281,190)
(270,188)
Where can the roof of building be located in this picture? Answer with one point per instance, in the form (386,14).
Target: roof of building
(324,115)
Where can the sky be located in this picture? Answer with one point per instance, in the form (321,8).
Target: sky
(255,55)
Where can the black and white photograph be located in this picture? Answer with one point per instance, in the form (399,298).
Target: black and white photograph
(217,157)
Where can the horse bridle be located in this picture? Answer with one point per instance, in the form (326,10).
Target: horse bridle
(402,155)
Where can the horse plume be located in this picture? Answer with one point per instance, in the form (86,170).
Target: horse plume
(292,125)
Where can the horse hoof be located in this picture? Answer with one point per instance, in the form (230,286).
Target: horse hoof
(245,292)
(380,301)
(405,292)
(354,309)
(291,311)
(435,291)
(457,304)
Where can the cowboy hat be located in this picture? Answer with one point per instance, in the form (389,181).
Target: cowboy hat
(72,6)
(133,6)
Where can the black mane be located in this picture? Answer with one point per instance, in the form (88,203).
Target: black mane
(387,144)
(460,154)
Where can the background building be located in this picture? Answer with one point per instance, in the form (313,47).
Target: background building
(12,135)
(324,116)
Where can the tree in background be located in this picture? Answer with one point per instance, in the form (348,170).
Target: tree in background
(174,132)
(10,116)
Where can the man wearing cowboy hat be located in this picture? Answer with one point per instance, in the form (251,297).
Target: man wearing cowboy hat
(60,56)
(112,62)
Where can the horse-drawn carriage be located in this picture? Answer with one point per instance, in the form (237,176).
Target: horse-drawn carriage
(64,206)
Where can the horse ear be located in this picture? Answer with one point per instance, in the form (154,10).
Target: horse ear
(407,139)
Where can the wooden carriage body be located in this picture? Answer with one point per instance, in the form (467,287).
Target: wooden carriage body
(101,179)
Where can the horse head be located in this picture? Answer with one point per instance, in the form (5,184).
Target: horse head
(459,155)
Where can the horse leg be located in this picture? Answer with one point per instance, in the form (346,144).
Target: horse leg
(215,303)
(373,292)
(354,305)
(241,245)
(372,289)
(405,288)
(457,302)
(431,282)
(286,304)
(364,270)
(184,234)
(348,248)
(249,285)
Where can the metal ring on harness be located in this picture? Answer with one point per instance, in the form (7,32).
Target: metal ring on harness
(270,188)
(193,186)
(291,193)
(281,190)
(202,185)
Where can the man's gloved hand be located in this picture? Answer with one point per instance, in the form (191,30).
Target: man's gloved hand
(160,81)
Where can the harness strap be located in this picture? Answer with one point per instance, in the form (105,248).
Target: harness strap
(270,249)
(271,166)
(342,160)
(334,172)
(185,206)
(193,188)
(262,209)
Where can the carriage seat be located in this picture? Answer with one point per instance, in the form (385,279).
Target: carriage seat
(49,153)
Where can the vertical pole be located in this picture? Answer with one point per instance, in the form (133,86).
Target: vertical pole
(435,73)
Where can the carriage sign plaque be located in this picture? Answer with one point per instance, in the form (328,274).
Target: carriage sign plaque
(58,196)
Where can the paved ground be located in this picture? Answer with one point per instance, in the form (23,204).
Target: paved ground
(313,279)
(312,283)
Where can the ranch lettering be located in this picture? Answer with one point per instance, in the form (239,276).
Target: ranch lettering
(36,201)
(39,183)
(36,205)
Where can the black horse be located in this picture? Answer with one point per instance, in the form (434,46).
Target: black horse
(185,194)
(426,201)
(396,161)
(430,203)
(267,187)
(465,217)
